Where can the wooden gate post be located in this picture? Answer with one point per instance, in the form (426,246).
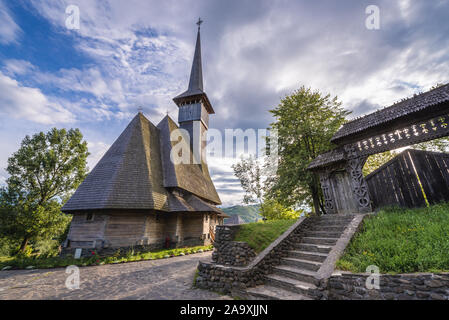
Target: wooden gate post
(329,201)
(354,167)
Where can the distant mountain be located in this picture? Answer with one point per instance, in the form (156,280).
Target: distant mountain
(247,213)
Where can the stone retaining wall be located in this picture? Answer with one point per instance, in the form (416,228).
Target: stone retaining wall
(228,252)
(413,286)
(230,279)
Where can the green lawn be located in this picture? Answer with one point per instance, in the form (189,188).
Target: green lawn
(260,235)
(401,241)
(54,262)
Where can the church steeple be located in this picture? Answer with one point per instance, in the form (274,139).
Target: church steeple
(196,74)
(195,92)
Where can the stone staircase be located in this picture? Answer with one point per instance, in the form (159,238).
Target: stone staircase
(296,277)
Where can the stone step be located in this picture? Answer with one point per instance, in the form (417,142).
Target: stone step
(290,284)
(337,217)
(295,273)
(330,223)
(313,240)
(313,247)
(301,264)
(339,229)
(307,255)
(323,234)
(267,292)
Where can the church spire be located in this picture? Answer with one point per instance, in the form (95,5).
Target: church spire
(195,92)
(196,74)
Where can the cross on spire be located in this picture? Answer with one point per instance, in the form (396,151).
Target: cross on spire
(199,23)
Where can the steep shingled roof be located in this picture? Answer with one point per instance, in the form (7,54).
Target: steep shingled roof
(133,175)
(406,107)
(128,176)
(194,178)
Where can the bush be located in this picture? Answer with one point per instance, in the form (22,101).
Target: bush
(400,241)
(273,210)
(22,261)
(7,247)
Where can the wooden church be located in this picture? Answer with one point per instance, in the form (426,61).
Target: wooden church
(136,196)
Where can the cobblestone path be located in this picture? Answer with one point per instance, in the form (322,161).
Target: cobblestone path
(164,279)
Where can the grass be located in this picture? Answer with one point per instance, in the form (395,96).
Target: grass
(401,241)
(19,262)
(259,235)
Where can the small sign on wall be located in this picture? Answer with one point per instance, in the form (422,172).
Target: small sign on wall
(78,253)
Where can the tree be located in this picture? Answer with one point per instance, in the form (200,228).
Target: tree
(45,170)
(437,145)
(270,209)
(305,123)
(376,160)
(249,172)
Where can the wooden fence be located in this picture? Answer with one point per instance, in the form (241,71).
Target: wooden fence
(410,179)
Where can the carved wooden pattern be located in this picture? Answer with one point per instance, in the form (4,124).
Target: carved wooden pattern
(354,167)
(422,131)
(329,203)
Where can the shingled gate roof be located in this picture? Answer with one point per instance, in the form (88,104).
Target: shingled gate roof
(406,107)
(136,173)
(332,156)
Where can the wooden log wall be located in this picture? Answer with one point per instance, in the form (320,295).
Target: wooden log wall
(402,180)
(123,229)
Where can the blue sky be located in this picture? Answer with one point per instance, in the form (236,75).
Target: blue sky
(138,53)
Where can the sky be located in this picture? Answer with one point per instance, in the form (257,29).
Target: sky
(138,53)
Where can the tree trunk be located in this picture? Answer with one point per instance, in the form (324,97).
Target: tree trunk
(323,210)
(24,244)
(316,203)
(314,187)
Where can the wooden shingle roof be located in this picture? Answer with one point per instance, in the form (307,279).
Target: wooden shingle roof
(135,173)
(332,156)
(194,178)
(404,108)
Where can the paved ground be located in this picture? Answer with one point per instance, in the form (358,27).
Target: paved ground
(164,279)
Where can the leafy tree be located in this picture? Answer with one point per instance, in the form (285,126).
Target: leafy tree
(270,209)
(249,172)
(437,145)
(305,123)
(376,160)
(45,170)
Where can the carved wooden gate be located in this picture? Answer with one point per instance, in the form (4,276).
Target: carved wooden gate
(423,117)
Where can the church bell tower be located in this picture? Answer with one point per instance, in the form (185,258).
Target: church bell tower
(194,105)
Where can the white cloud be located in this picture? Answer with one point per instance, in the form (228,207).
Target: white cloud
(227,185)
(18,67)
(252,55)
(97,150)
(9,30)
(30,104)
(3,178)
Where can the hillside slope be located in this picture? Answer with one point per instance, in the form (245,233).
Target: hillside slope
(247,213)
